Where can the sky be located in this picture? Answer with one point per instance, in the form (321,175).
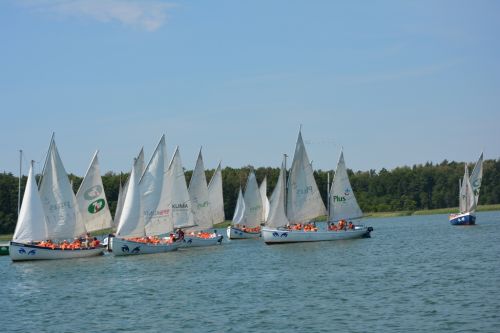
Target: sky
(392,82)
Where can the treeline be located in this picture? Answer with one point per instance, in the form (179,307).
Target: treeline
(427,186)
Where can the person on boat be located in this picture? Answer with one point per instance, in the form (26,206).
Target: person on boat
(95,242)
(180,234)
(350,226)
(88,240)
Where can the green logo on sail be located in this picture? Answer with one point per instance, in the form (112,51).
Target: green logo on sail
(93,192)
(96,206)
(338,198)
(204,204)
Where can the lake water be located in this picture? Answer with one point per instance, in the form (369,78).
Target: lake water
(416,274)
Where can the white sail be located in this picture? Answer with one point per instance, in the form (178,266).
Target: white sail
(119,206)
(265,200)
(461,197)
(131,223)
(343,203)
(252,216)
(139,165)
(475,178)
(31,224)
(277,216)
(239,209)
(59,202)
(198,193)
(467,201)
(304,200)
(178,194)
(215,196)
(91,199)
(156,212)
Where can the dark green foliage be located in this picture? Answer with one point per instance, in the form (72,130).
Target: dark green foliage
(418,187)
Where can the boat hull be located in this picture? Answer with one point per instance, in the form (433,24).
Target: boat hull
(463,219)
(23,252)
(278,236)
(235,233)
(124,247)
(193,241)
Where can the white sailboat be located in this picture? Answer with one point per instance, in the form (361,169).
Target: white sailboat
(215,196)
(50,213)
(304,203)
(468,195)
(200,234)
(249,216)
(265,200)
(91,199)
(147,212)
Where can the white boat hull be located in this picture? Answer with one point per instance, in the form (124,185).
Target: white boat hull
(193,241)
(22,252)
(279,236)
(124,247)
(235,233)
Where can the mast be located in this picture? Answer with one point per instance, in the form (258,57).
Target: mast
(19,187)
(328,193)
(286,181)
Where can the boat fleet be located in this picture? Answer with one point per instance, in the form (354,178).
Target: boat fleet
(157,211)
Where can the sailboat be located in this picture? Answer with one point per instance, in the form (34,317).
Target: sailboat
(91,199)
(468,195)
(248,213)
(199,235)
(215,196)
(293,208)
(49,215)
(146,217)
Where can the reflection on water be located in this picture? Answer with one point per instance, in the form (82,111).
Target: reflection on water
(415,274)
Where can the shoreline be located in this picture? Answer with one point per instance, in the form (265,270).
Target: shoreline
(480,208)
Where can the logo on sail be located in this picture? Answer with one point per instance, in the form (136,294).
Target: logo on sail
(339,198)
(255,208)
(93,192)
(60,206)
(204,204)
(305,190)
(180,206)
(96,206)
(156,213)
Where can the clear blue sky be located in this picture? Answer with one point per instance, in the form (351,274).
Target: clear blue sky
(393,82)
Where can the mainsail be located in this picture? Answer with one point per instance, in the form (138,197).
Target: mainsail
(475,178)
(467,202)
(31,224)
(215,196)
(265,200)
(91,199)
(304,200)
(277,216)
(239,210)
(139,165)
(177,193)
(343,203)
(63,218)
(252,216)
(198,193)
(155,211)
(131,223)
